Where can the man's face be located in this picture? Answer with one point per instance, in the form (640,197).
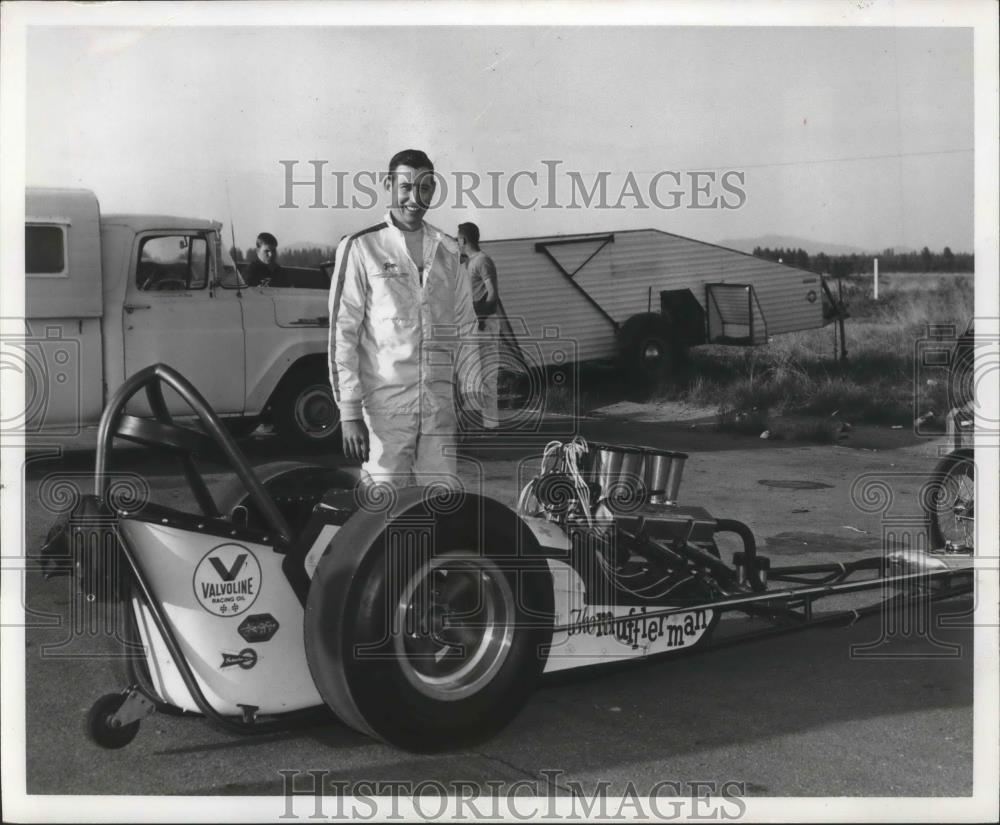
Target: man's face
(462,244)
(410,192)
(267,253)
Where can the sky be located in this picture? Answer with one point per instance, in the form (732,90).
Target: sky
(850,136)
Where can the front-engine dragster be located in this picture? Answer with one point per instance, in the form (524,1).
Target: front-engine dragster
(422,616)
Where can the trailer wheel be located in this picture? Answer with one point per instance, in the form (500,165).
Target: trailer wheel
(99,724)
(428,645)
(305,414)
(648,351)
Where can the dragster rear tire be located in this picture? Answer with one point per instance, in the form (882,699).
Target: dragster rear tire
(429,629)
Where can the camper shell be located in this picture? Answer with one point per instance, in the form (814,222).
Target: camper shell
(108,295)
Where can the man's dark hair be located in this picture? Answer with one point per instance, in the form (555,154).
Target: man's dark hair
(266,238)
(471,232)
(413,158)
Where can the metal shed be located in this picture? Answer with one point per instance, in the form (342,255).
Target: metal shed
(594,288)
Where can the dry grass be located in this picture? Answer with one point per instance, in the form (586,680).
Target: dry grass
(797,373)
(794,386)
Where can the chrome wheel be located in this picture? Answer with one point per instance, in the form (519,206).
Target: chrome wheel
(956,517)
(454,624)
(949,501)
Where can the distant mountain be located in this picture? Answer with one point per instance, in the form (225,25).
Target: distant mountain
(792,242)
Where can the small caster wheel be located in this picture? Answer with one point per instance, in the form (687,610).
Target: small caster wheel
(763,569)
(105,732)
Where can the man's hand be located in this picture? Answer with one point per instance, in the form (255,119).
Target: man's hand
(355,435)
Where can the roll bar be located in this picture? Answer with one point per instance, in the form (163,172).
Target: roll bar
(163,433)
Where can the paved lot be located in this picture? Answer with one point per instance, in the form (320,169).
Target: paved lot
(787,716)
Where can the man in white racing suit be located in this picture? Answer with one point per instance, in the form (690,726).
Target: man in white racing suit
(402,329)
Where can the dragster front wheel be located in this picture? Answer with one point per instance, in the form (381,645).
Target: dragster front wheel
(102,727)
(432,635)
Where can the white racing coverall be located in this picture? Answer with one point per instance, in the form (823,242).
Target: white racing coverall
(397,348)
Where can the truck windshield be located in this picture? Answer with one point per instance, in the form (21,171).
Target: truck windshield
(173,263)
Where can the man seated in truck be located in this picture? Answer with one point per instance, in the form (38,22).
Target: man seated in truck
(266,271)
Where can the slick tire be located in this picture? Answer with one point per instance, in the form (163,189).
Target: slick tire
(428,637)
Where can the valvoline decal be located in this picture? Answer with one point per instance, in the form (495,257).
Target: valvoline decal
(227,580)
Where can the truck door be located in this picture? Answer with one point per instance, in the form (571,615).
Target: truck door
(176,314)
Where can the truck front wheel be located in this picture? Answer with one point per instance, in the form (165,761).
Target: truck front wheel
(305,414)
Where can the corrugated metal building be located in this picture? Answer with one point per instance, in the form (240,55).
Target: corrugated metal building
(589,286)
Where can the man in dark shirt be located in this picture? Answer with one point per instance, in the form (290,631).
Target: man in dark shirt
(265,271)
(482,274)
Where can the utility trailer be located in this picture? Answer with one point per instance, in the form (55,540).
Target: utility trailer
(645,295)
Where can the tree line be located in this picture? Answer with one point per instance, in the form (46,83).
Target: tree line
(306,257)
(889,260)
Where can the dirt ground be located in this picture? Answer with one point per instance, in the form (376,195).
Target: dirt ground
(802,499)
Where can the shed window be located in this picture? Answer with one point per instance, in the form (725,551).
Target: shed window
(44,250)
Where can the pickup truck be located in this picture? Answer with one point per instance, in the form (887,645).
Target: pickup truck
(107,295)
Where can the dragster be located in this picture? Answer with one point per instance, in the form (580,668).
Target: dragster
(421,616)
